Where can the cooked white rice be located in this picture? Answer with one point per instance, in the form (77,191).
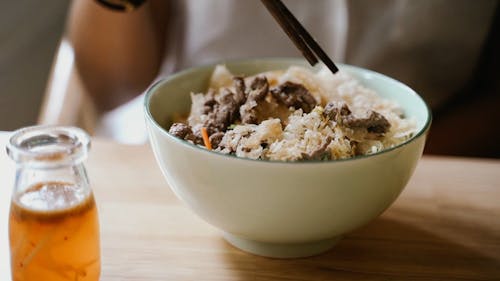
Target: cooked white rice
(290,134)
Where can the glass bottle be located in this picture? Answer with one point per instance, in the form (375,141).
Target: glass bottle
(53,222)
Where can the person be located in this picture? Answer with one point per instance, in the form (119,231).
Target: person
(29,34)
(437,47)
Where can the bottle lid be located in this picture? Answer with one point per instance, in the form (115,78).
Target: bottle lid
(48,146)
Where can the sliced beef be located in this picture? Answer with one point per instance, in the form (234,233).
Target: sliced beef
(375,123)
(258,88)
(257,91)
(180,130)
(320,153)
(223,113)
(216,138)
(224,110)
(184,132)
(228,107)
(336,112)
(294,95)
(210,102)
(240,89)
(248,114)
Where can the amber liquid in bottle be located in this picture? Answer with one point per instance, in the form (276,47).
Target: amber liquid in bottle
(54,234)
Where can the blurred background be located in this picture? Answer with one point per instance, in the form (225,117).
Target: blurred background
(82,63)
(30,32)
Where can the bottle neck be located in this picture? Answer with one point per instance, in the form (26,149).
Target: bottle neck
(28,176)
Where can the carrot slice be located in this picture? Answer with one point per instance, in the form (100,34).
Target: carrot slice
(206,139)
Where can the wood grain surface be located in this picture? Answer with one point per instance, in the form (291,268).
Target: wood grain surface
(444,226)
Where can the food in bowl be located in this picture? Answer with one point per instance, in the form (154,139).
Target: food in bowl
(292,115)
(281,209)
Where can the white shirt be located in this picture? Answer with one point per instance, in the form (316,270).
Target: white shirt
(431,45)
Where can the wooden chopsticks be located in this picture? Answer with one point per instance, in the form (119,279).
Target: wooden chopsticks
(309,48)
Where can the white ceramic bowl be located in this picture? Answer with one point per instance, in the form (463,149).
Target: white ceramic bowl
(281,209)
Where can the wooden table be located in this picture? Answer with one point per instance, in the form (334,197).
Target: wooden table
(444,226)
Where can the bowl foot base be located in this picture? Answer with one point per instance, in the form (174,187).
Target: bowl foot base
(278,250)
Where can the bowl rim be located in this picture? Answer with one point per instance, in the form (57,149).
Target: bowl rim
(151,91)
